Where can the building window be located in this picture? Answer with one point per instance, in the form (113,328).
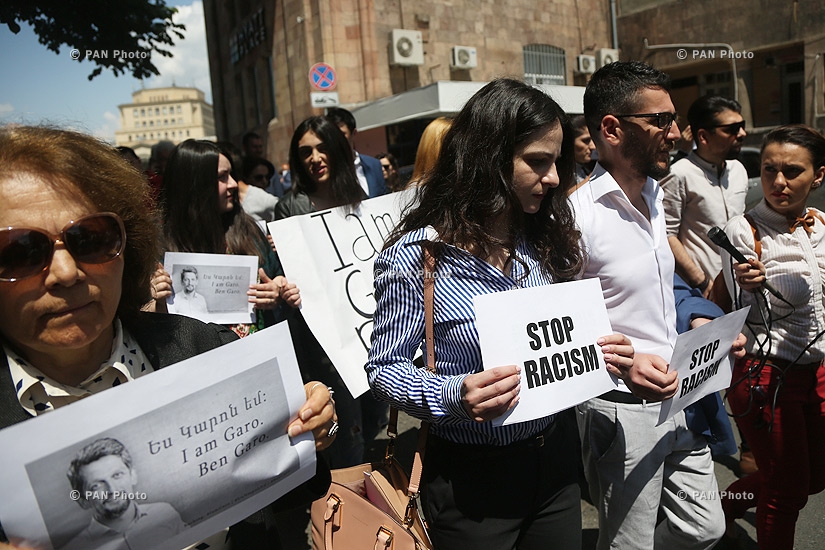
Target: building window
(164,110)
(151,123)
(187,133)
(718,84)
(180,121)
(135,113)
(137,124)
(157,111)
(544,64)
(166,122)
(143,112)
(144,124)
(178,109)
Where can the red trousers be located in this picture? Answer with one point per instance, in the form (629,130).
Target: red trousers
(790,456)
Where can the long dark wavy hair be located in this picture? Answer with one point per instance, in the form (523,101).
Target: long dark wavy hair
(344,186)
(471,185)
(192,221)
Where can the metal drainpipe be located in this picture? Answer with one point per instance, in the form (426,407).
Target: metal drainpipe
(709,45)
(613,24)
(817,114)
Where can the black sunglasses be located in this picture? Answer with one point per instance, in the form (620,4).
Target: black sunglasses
(94,239)
(731,129)
(663,120)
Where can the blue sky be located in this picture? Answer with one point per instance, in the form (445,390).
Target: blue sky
(39,86)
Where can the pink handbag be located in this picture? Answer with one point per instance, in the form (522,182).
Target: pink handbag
(375,506)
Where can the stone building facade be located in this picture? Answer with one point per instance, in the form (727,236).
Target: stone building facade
(173,114)
(261,52)
(777,49)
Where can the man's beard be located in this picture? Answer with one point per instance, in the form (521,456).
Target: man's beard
(643,159)
(733,151)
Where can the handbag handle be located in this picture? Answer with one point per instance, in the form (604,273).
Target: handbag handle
(392,425)
(429,337)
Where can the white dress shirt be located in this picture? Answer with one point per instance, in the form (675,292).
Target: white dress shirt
(359,172)
(632,259)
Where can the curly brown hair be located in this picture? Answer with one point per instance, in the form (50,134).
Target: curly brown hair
(87,169)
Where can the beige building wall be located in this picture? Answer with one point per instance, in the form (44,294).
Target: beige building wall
(353,36)
(778,51)
(173,114)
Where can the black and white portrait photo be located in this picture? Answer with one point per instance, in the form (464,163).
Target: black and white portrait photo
(211,287)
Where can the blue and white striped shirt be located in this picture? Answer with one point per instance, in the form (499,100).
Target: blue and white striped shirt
(398,332)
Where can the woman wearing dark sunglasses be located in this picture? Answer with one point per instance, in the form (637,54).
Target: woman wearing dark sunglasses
(77,250)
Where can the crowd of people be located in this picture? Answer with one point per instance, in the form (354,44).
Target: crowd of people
(510,193)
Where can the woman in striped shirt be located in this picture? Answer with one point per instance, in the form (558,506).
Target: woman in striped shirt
(494,213)
(778,389)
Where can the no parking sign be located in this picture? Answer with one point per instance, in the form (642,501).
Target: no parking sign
(322,77)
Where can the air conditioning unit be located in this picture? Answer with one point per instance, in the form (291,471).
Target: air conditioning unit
(406,47)
(586,64)
(464,57)
(606,56)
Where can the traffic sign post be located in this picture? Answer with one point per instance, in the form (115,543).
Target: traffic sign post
(322,77)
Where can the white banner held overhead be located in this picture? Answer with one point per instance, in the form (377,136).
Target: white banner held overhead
(330,256)
(550,332)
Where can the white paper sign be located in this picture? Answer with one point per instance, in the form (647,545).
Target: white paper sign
(330,256)
(207,441)
(211,287)
(550,332)
(703,360)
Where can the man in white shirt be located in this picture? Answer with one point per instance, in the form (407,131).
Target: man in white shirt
(646,480)
(705,189)
(189,302)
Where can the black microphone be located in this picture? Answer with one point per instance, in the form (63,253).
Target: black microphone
(720,239)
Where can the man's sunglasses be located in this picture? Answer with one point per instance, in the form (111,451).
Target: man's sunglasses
(663,120)
(731,129)
(94,239)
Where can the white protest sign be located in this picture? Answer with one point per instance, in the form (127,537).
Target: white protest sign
(703,360)
(550,332)
(211,287)
(329,255)
(207,440)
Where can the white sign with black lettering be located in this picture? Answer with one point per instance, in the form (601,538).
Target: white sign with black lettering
(550,332)
(188,449)
(703,360)
(324,99)
(329,255)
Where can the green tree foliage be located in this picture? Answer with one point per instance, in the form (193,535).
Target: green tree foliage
(141,26)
